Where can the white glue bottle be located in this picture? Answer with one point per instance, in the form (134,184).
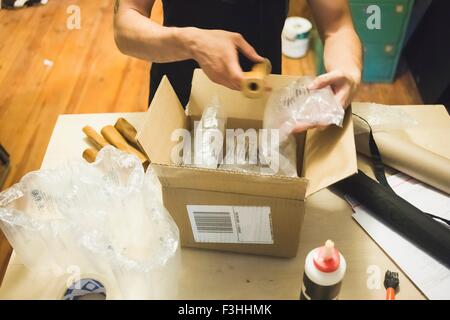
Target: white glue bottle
(324,270)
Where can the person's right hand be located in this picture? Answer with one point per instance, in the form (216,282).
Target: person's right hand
(216,52)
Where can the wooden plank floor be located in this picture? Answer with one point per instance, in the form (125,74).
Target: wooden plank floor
(88,74)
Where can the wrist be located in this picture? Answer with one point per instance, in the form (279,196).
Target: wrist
(186,40)
(355,75)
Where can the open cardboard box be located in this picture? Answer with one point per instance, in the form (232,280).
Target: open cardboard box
(252,213)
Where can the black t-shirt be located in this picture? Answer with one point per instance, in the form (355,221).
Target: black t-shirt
(259,21)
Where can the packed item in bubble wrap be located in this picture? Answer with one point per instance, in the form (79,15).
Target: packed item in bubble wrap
(106,218)
(241,151)
(296,108)
(209,136)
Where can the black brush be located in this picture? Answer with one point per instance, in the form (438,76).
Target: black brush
(391,283)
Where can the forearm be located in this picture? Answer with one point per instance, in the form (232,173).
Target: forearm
(140,37)
(342,46)
(342,50)
(215,51)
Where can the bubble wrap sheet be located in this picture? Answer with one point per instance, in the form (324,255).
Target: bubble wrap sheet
(104,218)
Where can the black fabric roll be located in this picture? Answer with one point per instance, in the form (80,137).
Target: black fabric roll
(425,232)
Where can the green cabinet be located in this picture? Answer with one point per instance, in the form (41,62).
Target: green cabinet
(382,47)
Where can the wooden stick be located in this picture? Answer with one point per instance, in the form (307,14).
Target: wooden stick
(115,138)
(97,140)
(127,131)
(90,154)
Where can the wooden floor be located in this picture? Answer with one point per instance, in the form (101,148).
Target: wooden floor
(47,70)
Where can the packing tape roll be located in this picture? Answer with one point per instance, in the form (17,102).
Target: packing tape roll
(87,287)
(253,85)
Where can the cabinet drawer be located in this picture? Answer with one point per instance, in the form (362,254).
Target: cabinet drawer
(394,16)
(380,61)
(379,70)
(380,50)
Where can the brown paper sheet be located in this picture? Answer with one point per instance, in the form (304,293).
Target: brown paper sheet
(421,150)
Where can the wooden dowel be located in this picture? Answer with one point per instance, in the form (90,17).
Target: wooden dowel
(127,131)
(115,138)
(97,140)
(90,154)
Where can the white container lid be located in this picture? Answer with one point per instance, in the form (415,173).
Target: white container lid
(296,28)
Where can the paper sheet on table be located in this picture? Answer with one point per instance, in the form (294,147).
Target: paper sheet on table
(430,276)
(411,139)
(421,195)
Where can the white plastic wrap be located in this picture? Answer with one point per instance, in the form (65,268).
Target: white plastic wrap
(209,136)
(105,218)
(381,118)
(295,108)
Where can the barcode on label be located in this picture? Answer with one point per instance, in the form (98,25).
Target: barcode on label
(230,224)
(218,222)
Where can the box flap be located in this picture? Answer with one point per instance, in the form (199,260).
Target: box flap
(329,155)
(231,182)
(165,114)
(235,104)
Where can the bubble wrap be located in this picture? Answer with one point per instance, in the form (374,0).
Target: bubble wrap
(295,108)
(105,218)
(209,136)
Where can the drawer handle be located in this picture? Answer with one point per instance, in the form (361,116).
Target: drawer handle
(399,8)
(388,48)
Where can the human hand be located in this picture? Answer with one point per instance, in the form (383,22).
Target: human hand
(343,84)
(216,52)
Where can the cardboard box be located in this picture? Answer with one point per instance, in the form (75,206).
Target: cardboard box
(266,211)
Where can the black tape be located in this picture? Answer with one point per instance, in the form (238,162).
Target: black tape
(378,167)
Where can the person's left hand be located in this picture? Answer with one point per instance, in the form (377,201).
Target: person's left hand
(343,84)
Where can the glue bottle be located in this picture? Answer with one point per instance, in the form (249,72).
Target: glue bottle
(324,270)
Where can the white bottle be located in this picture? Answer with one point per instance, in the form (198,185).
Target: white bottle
(324,270)
(295,37)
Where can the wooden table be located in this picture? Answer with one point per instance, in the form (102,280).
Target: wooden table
(4,166)
(218,275)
